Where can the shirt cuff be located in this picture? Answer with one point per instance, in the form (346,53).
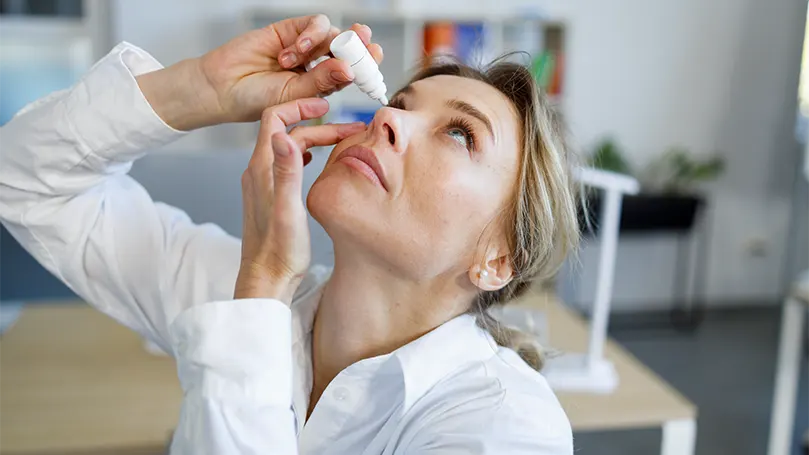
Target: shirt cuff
(108,112)
(236,350)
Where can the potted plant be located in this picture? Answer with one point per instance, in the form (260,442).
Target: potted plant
(670,197)
(679,172)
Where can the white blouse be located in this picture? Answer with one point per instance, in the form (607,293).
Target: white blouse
(245,366)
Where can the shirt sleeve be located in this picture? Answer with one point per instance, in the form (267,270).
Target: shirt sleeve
(66,197)
(234,360)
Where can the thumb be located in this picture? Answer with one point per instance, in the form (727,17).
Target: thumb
(324,79)
(287,171)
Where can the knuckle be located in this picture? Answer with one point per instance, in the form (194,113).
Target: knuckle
(247,180)
(285,173)
(267,114)
(324,84)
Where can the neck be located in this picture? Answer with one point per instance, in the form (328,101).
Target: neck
(368,310)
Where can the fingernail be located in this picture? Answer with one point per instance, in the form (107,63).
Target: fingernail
(289,59)
(305,45)
(370,32)
(340,76)
(280,146)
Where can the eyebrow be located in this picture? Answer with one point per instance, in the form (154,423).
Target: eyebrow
(468,109)
(406,90)
(456,104)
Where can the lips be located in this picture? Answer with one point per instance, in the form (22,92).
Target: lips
(363,160)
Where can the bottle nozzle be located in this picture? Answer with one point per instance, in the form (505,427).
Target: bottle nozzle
(383,100)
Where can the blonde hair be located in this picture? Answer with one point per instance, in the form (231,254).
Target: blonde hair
(542,220)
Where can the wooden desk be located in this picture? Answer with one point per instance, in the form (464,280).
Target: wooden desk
(74,381)
(642,400)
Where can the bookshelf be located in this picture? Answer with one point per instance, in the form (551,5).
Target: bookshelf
(400,32)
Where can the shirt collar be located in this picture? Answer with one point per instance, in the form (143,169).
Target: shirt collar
(422,362)
(452,345)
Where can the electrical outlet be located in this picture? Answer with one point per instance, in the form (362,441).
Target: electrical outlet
(757,247)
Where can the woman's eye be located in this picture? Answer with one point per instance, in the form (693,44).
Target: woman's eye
(459,135)
(397,103)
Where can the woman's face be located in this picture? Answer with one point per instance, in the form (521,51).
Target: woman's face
(422,189)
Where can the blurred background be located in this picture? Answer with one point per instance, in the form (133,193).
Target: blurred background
(689,113)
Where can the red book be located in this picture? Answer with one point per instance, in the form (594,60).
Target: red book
(439,39)
(555,87)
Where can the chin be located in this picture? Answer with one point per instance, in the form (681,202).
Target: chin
(356,218)
(346,205)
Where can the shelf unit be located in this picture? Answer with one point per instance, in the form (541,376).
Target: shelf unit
(399,30)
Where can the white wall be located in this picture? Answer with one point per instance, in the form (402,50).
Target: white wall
(719,75)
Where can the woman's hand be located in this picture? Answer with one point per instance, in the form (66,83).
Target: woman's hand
(260,69)
(275,241)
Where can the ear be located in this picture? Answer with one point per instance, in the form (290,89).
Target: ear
(493,274)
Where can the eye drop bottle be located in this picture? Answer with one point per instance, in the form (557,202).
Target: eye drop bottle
(348,46)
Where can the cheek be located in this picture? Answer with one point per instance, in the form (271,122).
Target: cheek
(454,201)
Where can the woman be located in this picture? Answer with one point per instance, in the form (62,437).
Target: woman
(451,201)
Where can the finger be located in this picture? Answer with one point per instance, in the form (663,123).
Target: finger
(376,52)
(262,156)
(321,135)
(322,80)
(365,33)
(277,118)
(287,170)
(285,114)
(299,36)
(323,48)
(337,89)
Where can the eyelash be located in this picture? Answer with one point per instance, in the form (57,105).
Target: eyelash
(465,126)
(455,123)
(397,103)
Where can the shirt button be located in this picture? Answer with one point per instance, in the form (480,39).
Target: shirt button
(340,393)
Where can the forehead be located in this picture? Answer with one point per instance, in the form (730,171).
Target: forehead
(487,99)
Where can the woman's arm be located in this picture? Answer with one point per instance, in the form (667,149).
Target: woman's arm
(235,357)
(65,196)
(235,366)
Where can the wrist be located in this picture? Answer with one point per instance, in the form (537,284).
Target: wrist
(255,282)
(181,96)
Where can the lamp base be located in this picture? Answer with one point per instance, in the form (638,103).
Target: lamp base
(570,373)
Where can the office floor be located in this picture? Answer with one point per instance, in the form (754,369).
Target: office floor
(726,367)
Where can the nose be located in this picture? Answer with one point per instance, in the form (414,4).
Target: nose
(390,125)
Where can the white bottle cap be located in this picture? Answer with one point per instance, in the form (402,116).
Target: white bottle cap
(312,64)
(348,46)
